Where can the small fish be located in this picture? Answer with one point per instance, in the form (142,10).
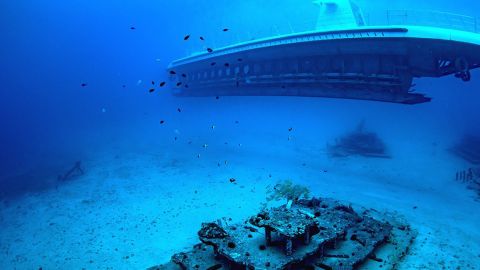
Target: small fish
(226,162)
(132,28)
(139,82)
(283,86)
(162,84)
(227,64)
(239,59)
(202,38)
(205,146)
(225,29)
(123,86)
(153,83)
(289,138)
(83,84)
(151,90)
(213,126)
(290,129)
(236,122)
(209,50)
(217,97)
(198,156)
(186,37)
(184,75)
(186,85)
(175,138)
(237,83)
(172,72)
(232,180)
(213,64)
(179,110)
(179,83)
(162,121)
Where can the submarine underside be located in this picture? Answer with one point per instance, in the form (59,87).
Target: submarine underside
(368,64)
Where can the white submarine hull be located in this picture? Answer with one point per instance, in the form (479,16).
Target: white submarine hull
(366,63)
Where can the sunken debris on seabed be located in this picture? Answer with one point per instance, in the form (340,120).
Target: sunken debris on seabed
(468,148)
(359,142)
(316,233)
(471,178)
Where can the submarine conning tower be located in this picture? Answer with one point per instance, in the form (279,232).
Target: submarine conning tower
(342,54)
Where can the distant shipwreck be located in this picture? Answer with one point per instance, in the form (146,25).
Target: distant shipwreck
(346,55)
(468,149)
(359,142)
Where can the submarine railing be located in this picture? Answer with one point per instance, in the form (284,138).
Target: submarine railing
(381,18)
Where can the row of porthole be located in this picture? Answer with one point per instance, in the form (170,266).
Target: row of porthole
(227,72)
(300,66)
(219,73)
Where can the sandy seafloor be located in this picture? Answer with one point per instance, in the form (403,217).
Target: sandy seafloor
(134,209)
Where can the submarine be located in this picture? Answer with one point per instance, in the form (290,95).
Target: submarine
(343,56)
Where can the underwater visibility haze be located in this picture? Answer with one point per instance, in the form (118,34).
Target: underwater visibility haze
(243,134)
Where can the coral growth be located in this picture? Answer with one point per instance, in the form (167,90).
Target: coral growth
(289,191)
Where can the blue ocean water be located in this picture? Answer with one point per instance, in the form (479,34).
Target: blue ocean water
(74,86)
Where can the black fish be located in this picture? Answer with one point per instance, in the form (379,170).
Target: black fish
(162,121)
(290,129)
(202,39)
(209,50)
(225,29)
(179,83)
(227,64)
(186,37)
(213,64)
(217,97)
(186,85)
(236,122)
(83,84)
(153,83)
(162,84)
(179,110)
(232,180)
(184,75)
(132,28)
(172,72)
(239,59)
(151,90)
